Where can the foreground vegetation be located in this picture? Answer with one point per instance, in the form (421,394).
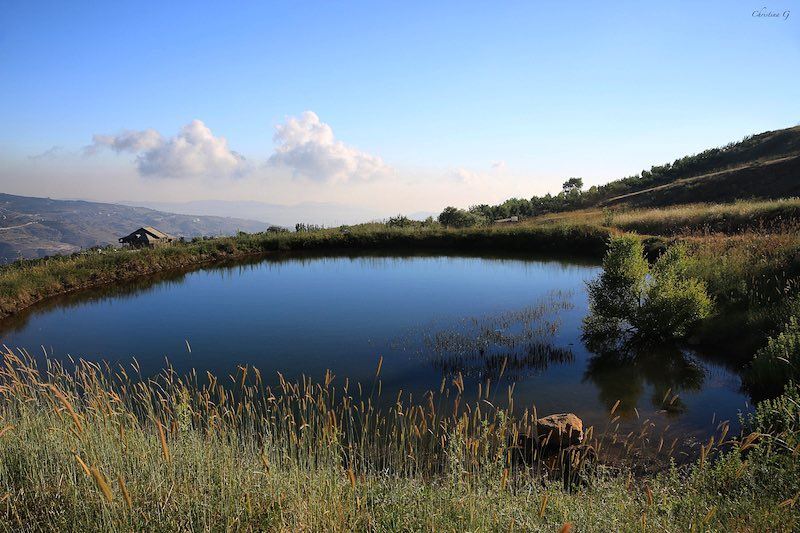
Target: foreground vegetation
(93,449)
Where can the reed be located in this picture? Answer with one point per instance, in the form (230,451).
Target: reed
(195,454)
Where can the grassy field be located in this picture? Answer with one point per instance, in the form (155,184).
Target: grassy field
(773,216)
(95,449)
(754,216)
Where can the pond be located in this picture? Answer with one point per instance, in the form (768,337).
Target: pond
(507,320)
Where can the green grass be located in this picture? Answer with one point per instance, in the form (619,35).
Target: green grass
(747,252)
(770,216)
(759,217)
(91,450)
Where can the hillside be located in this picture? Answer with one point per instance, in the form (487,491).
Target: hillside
(759,167)
(762,166)
(37,227)
(760,179)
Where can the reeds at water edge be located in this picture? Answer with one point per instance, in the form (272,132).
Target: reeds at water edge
(104,447)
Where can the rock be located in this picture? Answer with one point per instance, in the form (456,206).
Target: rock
(560,430)
(554,434)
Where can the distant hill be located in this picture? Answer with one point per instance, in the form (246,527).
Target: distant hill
(764,166)
(759,179)
(37,227)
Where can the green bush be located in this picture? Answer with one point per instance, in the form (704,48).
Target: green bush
(675,302)
(631,298)
(778,361)
(458,218)
(616,295)
(400,221)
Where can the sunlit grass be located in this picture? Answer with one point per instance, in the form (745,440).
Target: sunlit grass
(771,216)
(743,216)
(95,448)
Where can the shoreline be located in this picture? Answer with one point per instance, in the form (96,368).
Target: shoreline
(25,283)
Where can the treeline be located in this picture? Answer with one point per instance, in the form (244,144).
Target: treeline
(572,196)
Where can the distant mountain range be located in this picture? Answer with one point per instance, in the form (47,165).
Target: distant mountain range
(37,227)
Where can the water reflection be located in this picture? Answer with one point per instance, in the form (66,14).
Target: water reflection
(663,373)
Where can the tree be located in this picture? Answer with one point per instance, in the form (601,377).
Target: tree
(631,299)
(400,221)
(573,185)
(615,297)
(458,218)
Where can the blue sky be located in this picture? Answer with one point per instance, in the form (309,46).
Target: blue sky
(439,91)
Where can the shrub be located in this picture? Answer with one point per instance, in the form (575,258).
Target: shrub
(675,302)
(778,361)
(630,298)
(400,221)
(458,218)
(616,295)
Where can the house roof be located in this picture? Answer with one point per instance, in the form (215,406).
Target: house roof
(150,234)
(155,233)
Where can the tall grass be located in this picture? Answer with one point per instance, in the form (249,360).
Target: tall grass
(770,216)
(96,448)
(704,219)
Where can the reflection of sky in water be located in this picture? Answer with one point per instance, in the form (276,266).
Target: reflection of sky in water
(303,316)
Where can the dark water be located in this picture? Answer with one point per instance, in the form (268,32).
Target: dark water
(428,317)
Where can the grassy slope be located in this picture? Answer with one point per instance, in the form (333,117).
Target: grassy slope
(763,166)
(770,179)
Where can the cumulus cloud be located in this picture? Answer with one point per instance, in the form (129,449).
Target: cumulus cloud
(307,146)
(194,152)
(498,165)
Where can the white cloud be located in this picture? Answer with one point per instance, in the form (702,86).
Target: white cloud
(498,165)
(194,152)
(126,141)
(307,147)
(464,176)
(51,153)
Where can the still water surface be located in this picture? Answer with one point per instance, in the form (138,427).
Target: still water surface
(429,317)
